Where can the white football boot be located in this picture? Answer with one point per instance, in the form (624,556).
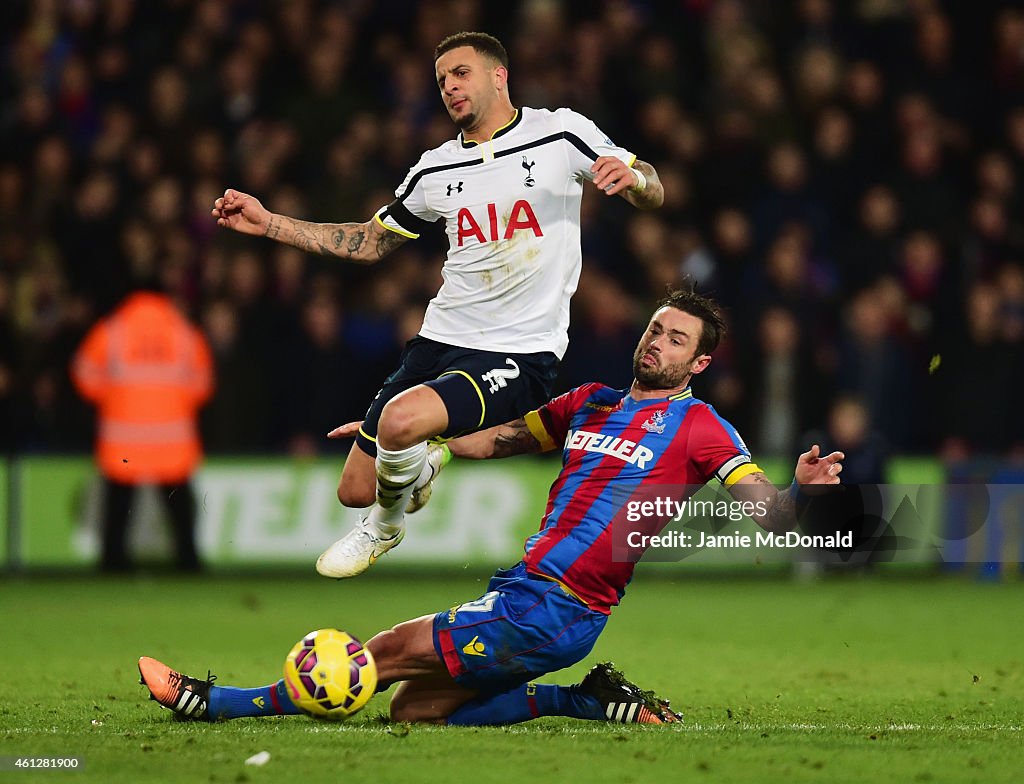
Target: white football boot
(438,456)
(355,552)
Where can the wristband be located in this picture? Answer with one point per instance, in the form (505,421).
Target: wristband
(794,491)
(641,181)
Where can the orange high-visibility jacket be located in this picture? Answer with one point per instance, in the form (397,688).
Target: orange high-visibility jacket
(148,370)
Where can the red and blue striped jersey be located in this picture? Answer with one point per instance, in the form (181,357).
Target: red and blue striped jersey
(613,446)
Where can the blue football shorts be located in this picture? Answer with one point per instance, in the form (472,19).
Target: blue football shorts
(480,389)
(524,626)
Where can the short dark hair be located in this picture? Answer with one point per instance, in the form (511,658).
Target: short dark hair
(704,308)
(483,43)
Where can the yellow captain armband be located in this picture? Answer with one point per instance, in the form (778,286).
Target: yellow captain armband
(742,471)
(732,471)
(538,431)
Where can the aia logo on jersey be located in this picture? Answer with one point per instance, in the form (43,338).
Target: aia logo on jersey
(520,218)
(656,424)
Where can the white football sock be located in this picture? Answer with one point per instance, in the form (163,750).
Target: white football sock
(425,475)
(397,474)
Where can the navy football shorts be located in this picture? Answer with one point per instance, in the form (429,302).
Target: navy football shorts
(480,389)
(524,626)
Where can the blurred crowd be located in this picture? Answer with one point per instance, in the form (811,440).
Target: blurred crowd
(846,177)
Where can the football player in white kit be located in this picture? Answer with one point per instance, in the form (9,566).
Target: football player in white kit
(508,189)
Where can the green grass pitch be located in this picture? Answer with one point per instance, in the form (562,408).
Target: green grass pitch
(900,680)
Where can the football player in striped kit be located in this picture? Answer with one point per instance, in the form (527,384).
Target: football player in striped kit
(508,190)
(474,664)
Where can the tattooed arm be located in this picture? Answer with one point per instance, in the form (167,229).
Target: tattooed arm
(613,177)
(512,438)
(651,196)
(362,242)
(775,510)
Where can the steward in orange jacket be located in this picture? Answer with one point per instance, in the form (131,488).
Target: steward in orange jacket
(148,371)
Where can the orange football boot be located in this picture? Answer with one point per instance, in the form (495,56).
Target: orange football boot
(187,697)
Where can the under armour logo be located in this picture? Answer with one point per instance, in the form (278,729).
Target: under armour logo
(457,188)
(498,377)
(529,182)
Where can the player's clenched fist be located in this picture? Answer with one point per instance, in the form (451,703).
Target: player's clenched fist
(241,212)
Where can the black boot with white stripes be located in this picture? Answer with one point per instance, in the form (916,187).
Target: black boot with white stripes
(623,701)
(188,697)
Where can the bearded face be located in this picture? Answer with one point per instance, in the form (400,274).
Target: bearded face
(666,354)
(653,372)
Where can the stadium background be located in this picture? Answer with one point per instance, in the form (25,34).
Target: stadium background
(844,177)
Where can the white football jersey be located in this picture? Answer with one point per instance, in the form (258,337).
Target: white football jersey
(511,208)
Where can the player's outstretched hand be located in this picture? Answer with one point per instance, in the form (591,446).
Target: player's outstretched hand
(811,469)
(348,430)
(612,175)
(241,212)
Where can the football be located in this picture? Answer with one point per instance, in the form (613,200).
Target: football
(329,674)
